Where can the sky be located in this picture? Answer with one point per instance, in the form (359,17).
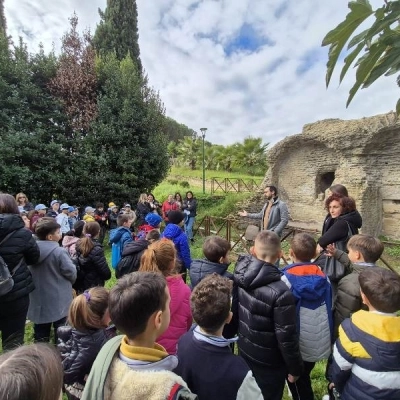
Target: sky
(238,68)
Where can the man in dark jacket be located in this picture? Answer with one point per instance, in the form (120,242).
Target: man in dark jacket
(268,339)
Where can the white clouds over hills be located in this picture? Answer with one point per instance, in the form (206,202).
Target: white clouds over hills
(239,68)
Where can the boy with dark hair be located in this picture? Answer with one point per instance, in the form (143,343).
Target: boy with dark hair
(119,237)
(205,361)
(364,252)
(216,252)
(134,365)
(366,355)
(268,339)
(313,294)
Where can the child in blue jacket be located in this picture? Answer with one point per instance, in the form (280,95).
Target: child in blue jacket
(120,236)
(174,232)
(313,293)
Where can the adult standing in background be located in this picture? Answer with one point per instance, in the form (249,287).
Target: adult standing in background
(189,207)
(274,215)
(23,201)
(154,205)
(142,209)
(17,248)
(168,206)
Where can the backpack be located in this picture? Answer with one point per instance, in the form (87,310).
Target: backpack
(6,278)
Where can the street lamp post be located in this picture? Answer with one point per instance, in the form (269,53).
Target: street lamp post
(203,134)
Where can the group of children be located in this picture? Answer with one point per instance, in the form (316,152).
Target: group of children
(283,320)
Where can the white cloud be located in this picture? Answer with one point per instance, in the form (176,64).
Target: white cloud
(258,93)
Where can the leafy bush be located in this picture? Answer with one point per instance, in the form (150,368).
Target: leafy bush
(184,184)
(172,181)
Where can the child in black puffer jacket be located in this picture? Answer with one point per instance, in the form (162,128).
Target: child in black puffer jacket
(92,265)
(80,342)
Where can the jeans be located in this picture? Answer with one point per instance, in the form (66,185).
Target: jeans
(189,227)
(302,389)
(42,331)
(12,322)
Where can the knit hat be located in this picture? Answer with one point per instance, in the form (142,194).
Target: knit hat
(40,207)
(153,220)
(176,217)
(64,206)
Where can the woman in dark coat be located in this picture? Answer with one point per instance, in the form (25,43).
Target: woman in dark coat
(18,247)
(92,265)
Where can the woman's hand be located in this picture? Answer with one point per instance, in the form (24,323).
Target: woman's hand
(330,250)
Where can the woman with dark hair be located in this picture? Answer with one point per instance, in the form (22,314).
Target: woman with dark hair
(23,202)
(18,249)
(178,200)
(155,206)
(189,207)
(342,215)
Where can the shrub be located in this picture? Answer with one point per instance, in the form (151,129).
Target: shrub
(184,184)
(172,181)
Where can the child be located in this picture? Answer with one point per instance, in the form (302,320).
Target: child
(80,342)
(174,232)
(161,257)
(101,217)
(93,267)
(112,217)
(53,276)
(72,216)
(54,208)
(71,238)
(132,254)
(366,355)
(153,221)
(205,361)
(120,237)
(313,294)
(364,252)
(268,339)
(216,252)
(62,219)
(89,214)
(31,372)
(40,212)
(136,366)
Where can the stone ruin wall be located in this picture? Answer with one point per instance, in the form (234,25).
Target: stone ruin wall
(363,155)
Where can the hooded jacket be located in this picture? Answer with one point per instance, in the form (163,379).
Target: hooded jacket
(267,316)
(69,243)
(366,357)
(53,276)
(131,256)
(176,234)
(313,294)
(93,267)
(336,229)
(79,350)
(200,268)
(20,245)
(181,315)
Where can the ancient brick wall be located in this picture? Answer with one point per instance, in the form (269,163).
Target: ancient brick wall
(363,155)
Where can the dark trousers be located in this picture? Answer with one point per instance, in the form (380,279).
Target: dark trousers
(12,322)
(302,389)
(102,235)
(271,381)
(42,331)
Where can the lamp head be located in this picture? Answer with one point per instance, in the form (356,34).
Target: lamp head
(203,132)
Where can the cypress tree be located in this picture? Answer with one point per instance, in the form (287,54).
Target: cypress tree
(3,25)
(118,31)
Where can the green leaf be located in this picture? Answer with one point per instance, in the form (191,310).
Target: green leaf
(365,67)
(357,39)
(349,60)
(337,37)
(392,57)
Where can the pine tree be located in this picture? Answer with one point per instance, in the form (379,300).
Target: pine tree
(118,31)
(3,24)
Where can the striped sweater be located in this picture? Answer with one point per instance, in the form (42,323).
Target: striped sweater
(366,357)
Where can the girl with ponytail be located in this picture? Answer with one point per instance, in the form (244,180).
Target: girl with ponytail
(80,342)
(160,257)
(92,265)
